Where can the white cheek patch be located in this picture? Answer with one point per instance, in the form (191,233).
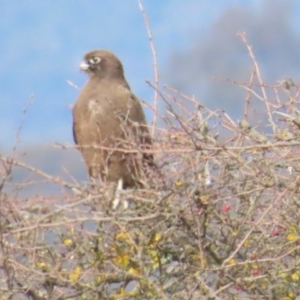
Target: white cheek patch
(94,107)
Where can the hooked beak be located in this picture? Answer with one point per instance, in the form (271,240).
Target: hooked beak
(84,66)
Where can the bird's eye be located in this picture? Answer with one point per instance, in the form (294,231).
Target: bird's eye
(95,60)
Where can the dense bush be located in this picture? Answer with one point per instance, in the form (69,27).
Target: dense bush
(218,218)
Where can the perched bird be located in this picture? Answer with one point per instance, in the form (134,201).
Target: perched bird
(109,124)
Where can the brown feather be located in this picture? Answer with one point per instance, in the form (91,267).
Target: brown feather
(108,115)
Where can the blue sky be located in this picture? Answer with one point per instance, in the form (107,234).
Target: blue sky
(43,42)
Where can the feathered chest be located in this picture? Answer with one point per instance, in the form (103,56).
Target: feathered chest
(104,100)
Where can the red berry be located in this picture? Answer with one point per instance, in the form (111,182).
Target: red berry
(226,208)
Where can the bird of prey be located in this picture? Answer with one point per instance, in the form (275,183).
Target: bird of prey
(109,124)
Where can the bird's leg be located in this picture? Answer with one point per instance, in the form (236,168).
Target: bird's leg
(116,201)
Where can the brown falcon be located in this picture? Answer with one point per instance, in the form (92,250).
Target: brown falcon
(109,124)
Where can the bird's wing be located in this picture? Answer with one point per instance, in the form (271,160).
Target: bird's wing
(143,131)
(138,111)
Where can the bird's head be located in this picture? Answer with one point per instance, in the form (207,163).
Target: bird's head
(102,64)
